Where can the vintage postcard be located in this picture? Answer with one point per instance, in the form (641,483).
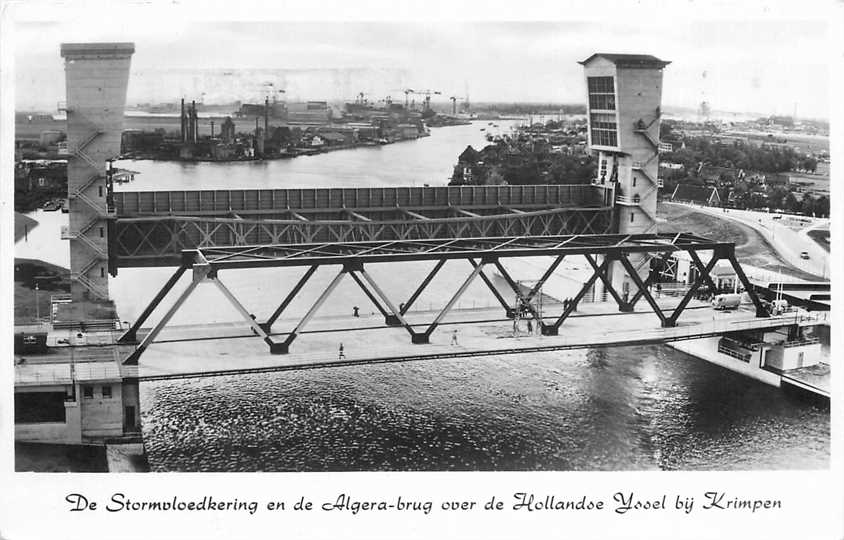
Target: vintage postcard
(399,270)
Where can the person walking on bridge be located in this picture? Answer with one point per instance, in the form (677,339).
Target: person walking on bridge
(341,355)
(454,337)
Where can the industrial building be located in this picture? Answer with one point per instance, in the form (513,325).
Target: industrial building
(309,112)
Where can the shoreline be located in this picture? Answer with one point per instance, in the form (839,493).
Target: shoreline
(141,156)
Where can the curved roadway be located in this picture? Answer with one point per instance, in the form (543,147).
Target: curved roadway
(788,242)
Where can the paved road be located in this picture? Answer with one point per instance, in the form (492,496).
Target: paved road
(787,242)
(231,347)
(601,325)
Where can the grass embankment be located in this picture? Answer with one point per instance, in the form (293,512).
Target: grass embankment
(51,280)
(751,247)
(821,237)
(26,270)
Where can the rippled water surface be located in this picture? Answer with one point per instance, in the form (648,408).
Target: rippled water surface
(609,409)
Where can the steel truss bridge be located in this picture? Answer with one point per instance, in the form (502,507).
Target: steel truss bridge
(153,228)
(207,264)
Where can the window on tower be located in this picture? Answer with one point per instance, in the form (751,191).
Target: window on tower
(603,128)
(601,93)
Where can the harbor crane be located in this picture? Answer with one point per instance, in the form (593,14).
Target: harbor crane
(427,94)
(407,92)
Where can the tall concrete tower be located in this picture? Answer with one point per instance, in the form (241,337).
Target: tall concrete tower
(623,111)
(96,76)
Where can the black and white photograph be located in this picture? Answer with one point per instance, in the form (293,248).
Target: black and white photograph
(345,242)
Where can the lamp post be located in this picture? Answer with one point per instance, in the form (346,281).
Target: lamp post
(37,307)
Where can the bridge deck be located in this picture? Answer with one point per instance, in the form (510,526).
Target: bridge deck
(227,349)
(596,325)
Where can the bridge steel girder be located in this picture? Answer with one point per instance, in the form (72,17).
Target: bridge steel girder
(283,348)
(699,264)
(638,294)
(199,274)
(424,337)
(395,317)
(159,240)
(353,256)
(729,252)
(268,324)
(538,285)
(508,309)
(371,296)
(525,299)
(554,329)
(703,275)
(623,305)
(248,317)
(131,335)
(404,308)
(634,275)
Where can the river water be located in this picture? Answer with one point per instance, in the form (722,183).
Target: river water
(624,408)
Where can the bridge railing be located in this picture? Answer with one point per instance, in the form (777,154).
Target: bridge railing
(205,201)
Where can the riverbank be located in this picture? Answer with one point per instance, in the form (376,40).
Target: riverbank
(751,247)
(31,305)
(165,155)
(426,160)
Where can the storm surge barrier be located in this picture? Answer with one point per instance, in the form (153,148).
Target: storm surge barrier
(152,228)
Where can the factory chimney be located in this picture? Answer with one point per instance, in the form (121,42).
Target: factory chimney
(194,128)
(190,123)
(184,121)
(266,115)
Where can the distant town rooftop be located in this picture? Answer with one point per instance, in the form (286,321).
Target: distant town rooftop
(629,60)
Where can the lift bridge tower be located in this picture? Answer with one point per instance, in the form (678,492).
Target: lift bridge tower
(623,112)
(96,76)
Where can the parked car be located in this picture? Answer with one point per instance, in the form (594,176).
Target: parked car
(804,255)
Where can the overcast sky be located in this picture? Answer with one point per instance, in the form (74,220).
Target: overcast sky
(764,66)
